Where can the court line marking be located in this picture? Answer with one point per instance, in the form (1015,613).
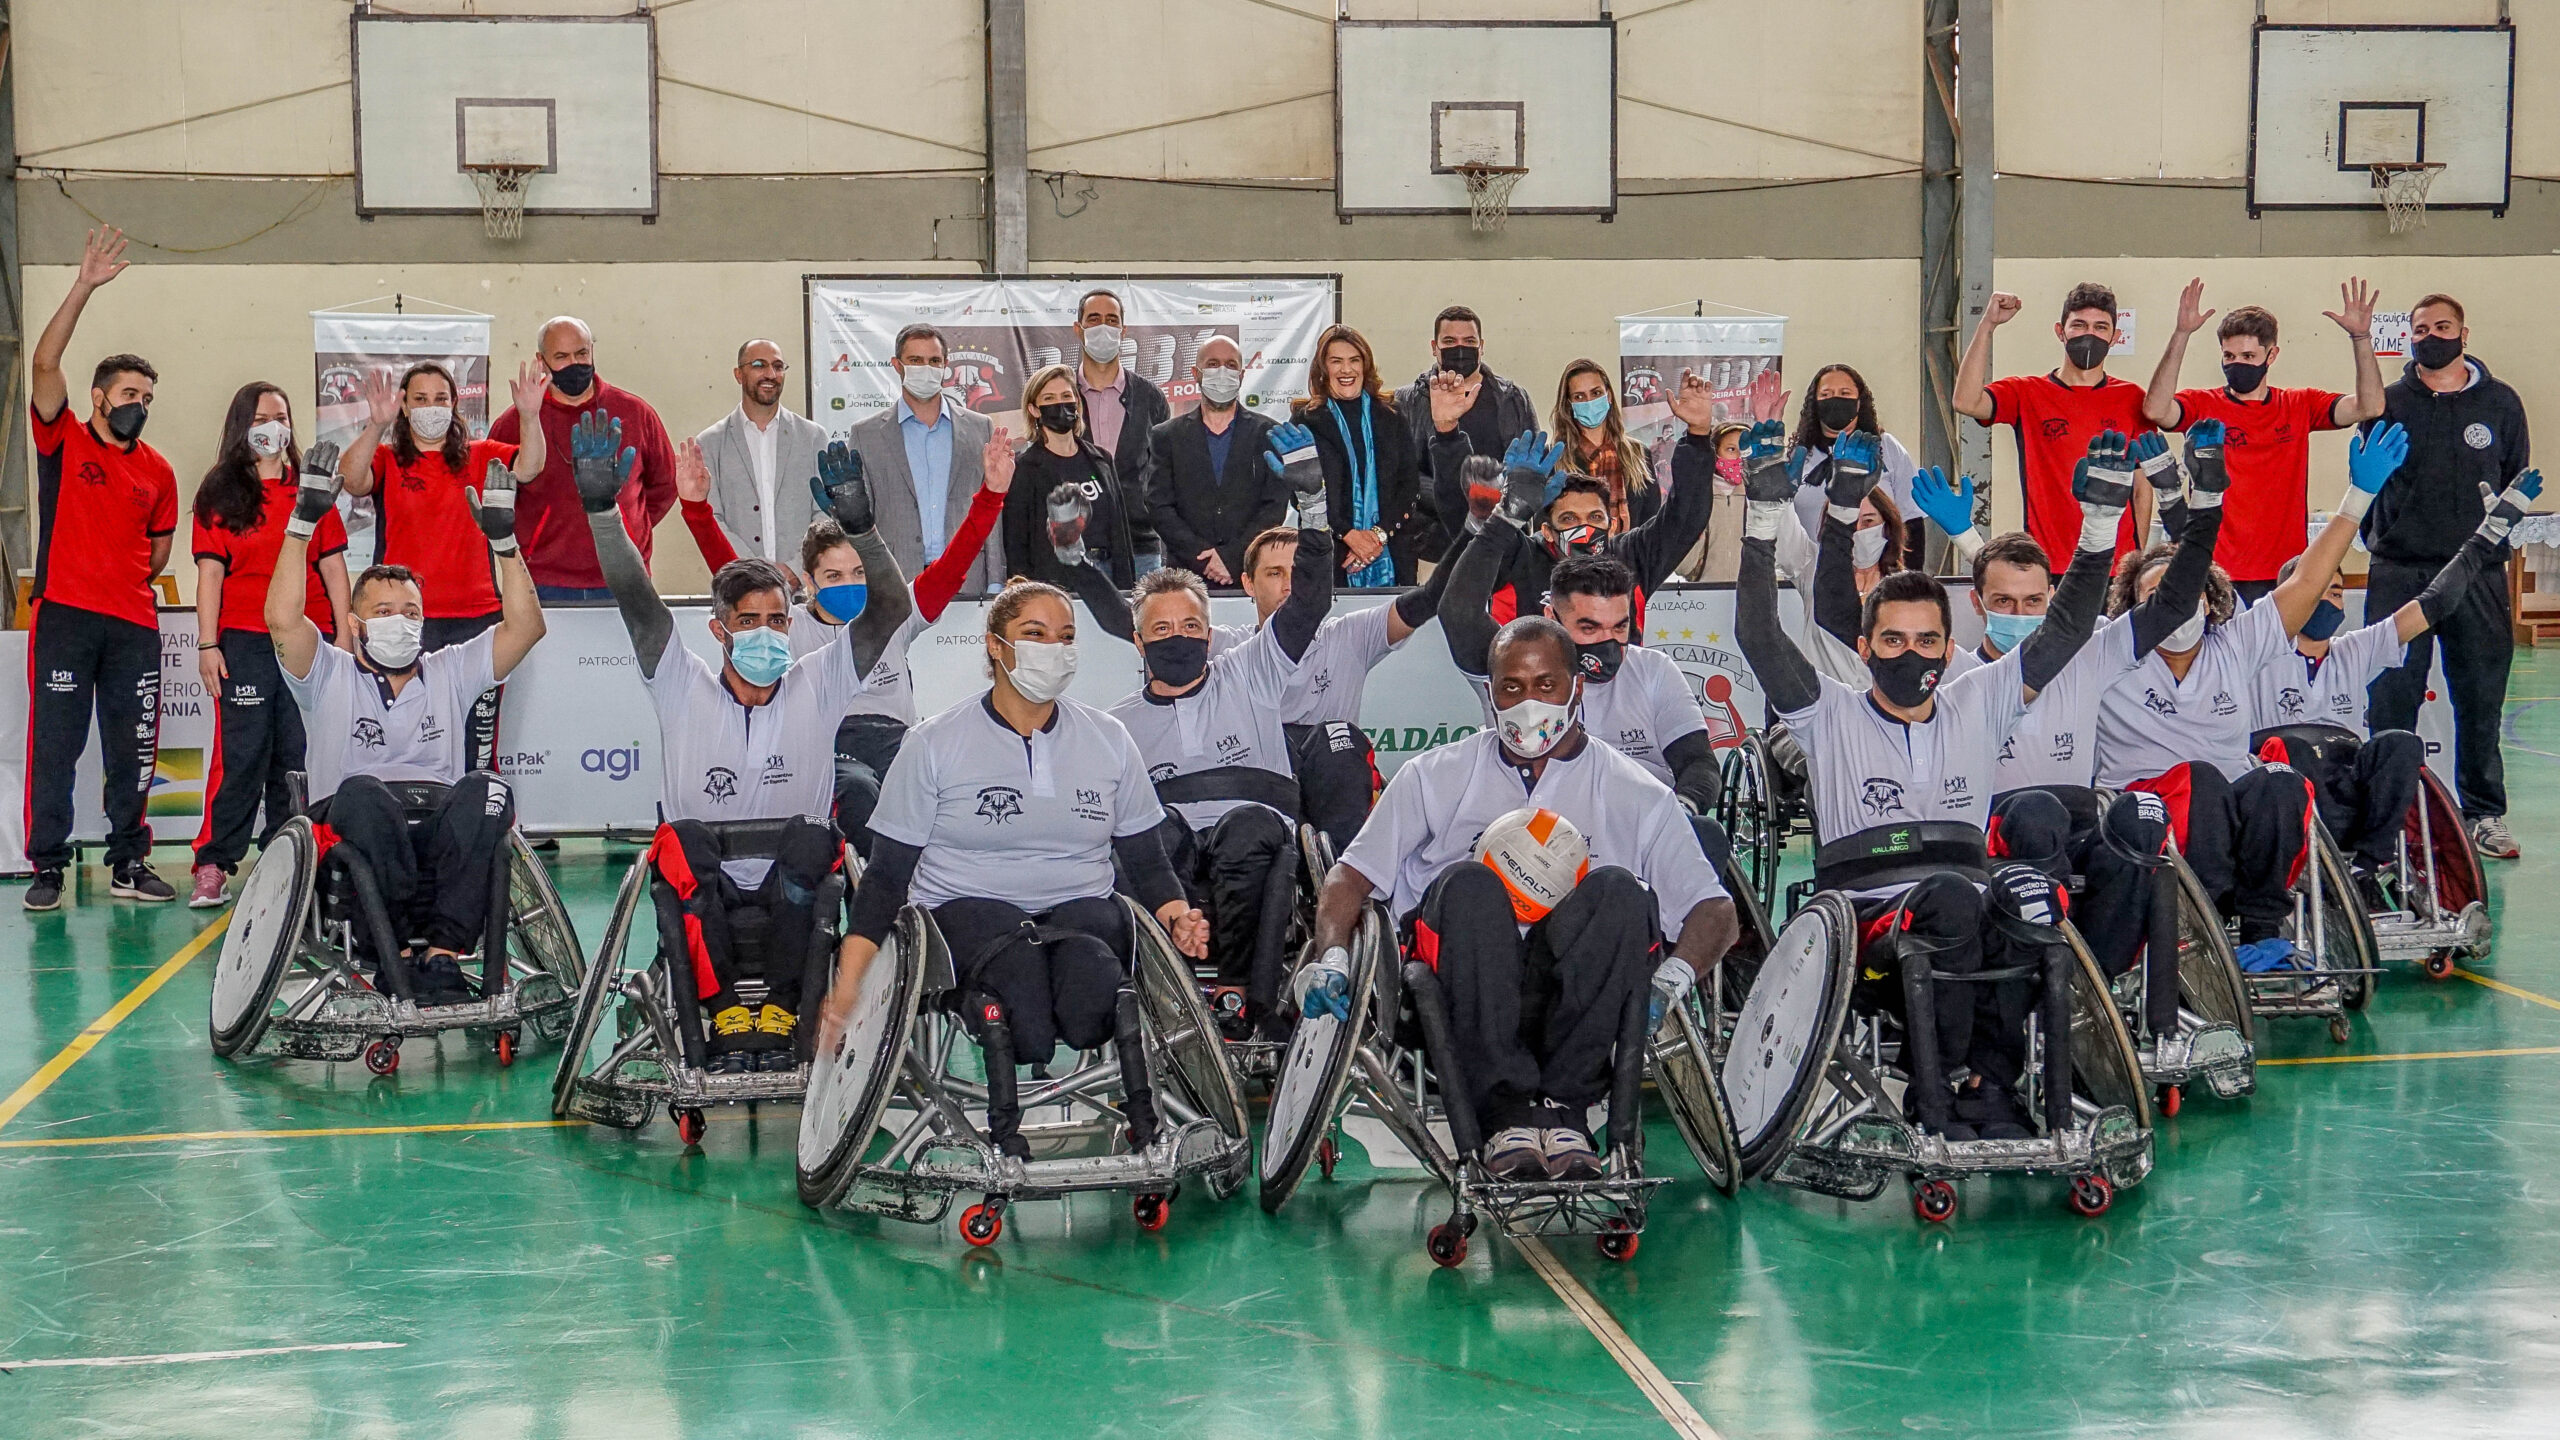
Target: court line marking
(183,1136)
(87,1040)
(196,1357)
(2419,1055)
(1667,1400)
(2503,988)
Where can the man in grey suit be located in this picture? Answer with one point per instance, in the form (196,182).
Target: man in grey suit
(761,457)
(925,458)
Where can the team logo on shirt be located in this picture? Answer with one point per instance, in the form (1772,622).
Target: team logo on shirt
(720,783)
(777,770)
(1158,774)
(1001,804)
(369,733)
(2289,703)
(1322,682)
(1956,791)
(2157,703)
(1634,739)
(1881,797)
(2223,703)
(2477,436)
(1089,805)
(96,474)
(1232,750)
(2056,427)
(2063,744)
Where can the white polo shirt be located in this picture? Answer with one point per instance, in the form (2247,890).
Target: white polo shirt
(1333,675)
(2055,739)
(2150,722)
(890,688)
(1233,718)
(1869,769)
(2294,691)
(1430,814)
(1000,816)
(722,760)
(358,727)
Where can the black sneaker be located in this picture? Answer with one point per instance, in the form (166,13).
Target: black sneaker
(2369,888)
(730,1062)
(776,1061)
(135,880)
(46,892)
(1993,1111)
(440,982)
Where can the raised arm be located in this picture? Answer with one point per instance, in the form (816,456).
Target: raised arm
(297,640)
(1786,677)
(2160,400)
(1973,372)
(939,583)
(382,406)
(2199,525)
(101,260)
(2486,549)
(520,622)
(601,465)
(1292,458)
(1414,608)
(2103,484)
(1069,512)
(2371,460)
(1466,607)
(1836,607)
(1654,548)
(839,489)
(2355,316)
(533,448)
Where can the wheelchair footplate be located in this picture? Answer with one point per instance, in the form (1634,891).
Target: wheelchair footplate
(2201,1051)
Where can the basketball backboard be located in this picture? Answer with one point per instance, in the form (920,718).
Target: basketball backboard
(2329,102)
(573,99)
(1416,100)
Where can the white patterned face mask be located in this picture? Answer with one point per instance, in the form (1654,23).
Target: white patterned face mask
(1531,728)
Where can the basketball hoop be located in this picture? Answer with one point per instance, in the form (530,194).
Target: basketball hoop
(1489,193)
(2404,192)
(502,197)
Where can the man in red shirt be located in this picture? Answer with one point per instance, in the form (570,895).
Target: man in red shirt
(107,512)
(557,548)
(2058,413)
(2266,430)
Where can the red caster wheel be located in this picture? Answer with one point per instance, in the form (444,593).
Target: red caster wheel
(1934,1201)
(1152,1211)
(1619,1241)
(1328,1155)
(2171,1098)
(2440,966)
(506,1048)
(382,1057)
(1448,1246)
(689,1126)
(2091,1195)
(981,1224)
(2339,1030)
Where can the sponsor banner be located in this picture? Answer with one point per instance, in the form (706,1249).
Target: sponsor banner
(347,346)
(1733,352)
(998,333)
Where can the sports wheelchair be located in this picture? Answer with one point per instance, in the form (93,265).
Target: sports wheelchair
(1257,1060)
(291,982)
(2333,940)
(1761,807)
(894,1122)
(2441,914)
(1815,1087)
(657,1040)
(1385,1078)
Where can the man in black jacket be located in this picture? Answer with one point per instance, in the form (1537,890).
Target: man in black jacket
(1489,410)
(2466,431)
(1121,408)
(1212,494)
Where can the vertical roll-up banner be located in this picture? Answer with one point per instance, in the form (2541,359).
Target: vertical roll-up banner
(1729,348)
(350,344)
(999,333)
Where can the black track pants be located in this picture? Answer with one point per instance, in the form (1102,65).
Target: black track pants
(2366,788)
(2479,645)
(438,873)
(2245,839)
(1053,989)
(1337,769)
(258,742)
(720,920)
(2121,904)
(866,745)
(79,664)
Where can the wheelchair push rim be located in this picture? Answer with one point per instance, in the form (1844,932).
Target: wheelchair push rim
(1748,811)
(2104,1063)
(602,979)
(2343,919)
(265,932)
(850,1089)
(2208,973)
(1788,1029)
(1170,999)
(1315,1073)
(541,939)
(1684,1073)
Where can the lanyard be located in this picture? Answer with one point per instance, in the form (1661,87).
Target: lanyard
(1364,489)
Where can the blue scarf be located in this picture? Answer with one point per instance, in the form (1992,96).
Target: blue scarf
(1364,493)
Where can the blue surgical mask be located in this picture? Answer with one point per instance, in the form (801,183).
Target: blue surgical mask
(1591,411)
(2324,622)
(760,656)
(843,602)
(2007,632)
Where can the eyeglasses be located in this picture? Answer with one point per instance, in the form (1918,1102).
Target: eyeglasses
(774,366)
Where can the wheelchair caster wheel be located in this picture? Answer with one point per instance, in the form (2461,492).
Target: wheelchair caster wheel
(2339,1030)
(2091,1195)
(1152,1211)
(689,1125)
(1618,1242)
(1934,1201)
(506,1048)
(1328,1155)
(2171,1097)
(2440,966)
(382,1057)
(981,1224)
(1448,1245)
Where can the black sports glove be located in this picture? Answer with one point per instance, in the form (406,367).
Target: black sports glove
(599,462)
(495,507)
(1853,468)
(2104,477)
(840,491)
(317,493)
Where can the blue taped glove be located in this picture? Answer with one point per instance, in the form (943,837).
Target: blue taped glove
(1951,508)
(1530,450)
(1325,987)
(2372,459)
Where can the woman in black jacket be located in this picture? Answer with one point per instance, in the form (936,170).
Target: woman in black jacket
(1062,453)
(1371,473)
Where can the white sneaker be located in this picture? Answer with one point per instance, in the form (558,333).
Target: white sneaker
(1568,1155)
(1515,1154)
(2489,833)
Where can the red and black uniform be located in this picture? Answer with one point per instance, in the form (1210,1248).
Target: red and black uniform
(2054,424)
(96,646)
(258,735)
(425,522)
(2266,445)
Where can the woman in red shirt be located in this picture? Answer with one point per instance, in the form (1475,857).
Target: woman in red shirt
(415,457)
(240,510)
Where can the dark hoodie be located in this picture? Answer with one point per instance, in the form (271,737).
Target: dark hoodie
(2458,442)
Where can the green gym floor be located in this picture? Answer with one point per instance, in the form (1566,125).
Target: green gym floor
(278,1249)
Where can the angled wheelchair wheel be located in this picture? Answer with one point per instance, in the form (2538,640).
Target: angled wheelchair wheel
(2104,1065)
(595,986)
(1684,1071)
(1316,1070)
(267,925)
(2209,980)
(1183,1027)
(849,1088)
(1749,811)
(2440,850)
(542,945)
(1789,1027)
(2346,938)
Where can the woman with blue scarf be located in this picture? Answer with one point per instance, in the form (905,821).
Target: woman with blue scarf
(1371,474)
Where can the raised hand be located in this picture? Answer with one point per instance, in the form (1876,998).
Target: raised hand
(2371,459)
(2002,309)
(1292,457)
(1695,403)
(1769,396)
(1529,481)
(2191,311)
(1451,397)
(995,465)
(1765,476)
(2150,451)
(317,493)
(1854,457)
(528,387)
(599,462)
(2355,308)
(2104,477)
(1482,477)
(1950,507)
(102,258)
(693,473)
(1069,513)
(381,397)
(840,490)
(2510,505)
(495,506)
(2206,476)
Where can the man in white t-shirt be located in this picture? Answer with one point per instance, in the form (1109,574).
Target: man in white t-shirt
(752,740)
(384,712)
(1534,1009)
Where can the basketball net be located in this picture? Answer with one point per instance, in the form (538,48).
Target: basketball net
(502,197)
(1489,193)
(2404,193)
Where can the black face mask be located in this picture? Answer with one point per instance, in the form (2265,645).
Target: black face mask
(2324,622)
(1908,678)
(1459,359)
(2087,352)
(2436,351)
(125,421)
(1836,413)
(1600,660)
(2243,379)
(1059,418)
(1176,660)
(573,379)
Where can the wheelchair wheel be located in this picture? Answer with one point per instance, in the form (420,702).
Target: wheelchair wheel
(267,925)
(849,1089)
(1789,1026)
(2439,846)
(1183,1027)
(1684,1071)
(1307,1095)
(1750,814)
(2104,1065)
(2345,929)
(599,982)
(2208,975)
(542,946)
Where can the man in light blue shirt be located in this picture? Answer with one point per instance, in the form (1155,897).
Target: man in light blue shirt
(928,439)
(925,455)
